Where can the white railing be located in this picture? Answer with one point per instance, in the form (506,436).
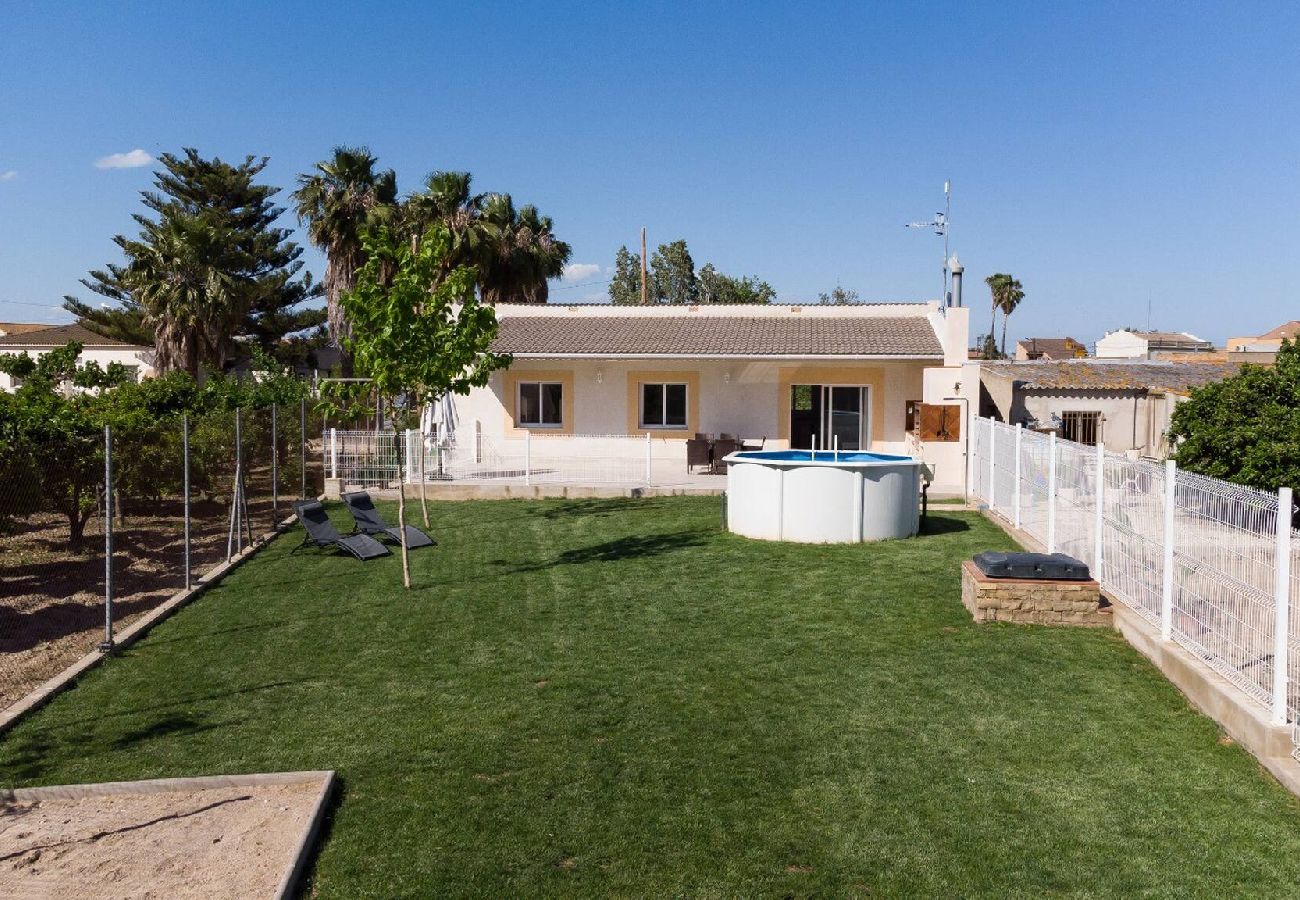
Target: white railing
(380,460)
(1209,563)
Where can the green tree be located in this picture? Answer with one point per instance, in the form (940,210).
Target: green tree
(415,342)
(1246,428)
(211,221)
(718,288)
(674,278)
(343,197)
(625,288)
(522,253)
(839,296)
(1006,293)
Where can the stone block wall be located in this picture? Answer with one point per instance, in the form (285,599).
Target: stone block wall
(1076,603)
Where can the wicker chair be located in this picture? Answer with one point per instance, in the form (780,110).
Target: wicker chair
(723,448)
(697,454)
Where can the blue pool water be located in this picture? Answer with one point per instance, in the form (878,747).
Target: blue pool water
(821,456)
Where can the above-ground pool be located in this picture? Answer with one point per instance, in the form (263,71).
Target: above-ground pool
(823,497)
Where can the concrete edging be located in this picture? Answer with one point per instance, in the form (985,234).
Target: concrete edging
(132,633)
(1209,692)
(302,849)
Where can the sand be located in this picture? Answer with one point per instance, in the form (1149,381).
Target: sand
(218,842)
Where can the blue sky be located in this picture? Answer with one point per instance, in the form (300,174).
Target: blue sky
(1106,154)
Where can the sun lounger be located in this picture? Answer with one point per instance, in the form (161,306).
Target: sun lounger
(369,521)
(322,533)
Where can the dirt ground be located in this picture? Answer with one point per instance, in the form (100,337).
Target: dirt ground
(52,598)
(235,842)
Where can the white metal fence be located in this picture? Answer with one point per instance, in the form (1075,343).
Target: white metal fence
(382,459)
(1210,563)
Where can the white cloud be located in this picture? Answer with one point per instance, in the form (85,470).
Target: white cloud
(580,271)
(8,176)
(132,160)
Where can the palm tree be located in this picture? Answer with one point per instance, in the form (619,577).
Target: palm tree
(521,254)
(186,293)
(446,200)
(337,202)
(1007,294)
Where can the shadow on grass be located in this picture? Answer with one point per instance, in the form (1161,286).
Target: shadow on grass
(176,724)
(596,507)
(941,524)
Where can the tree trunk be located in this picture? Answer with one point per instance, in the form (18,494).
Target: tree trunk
(993,322)
(401,514)
(1005,316)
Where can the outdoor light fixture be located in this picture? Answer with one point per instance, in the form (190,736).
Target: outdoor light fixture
(600,377)
(726,377)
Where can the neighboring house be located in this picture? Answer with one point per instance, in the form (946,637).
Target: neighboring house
(7,328)
(1126,405)
(1263,348)
(94,347)
(789,375)
(1050,348)
(1127,344)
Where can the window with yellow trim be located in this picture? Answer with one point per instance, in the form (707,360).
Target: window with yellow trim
(540,404)
(663,405)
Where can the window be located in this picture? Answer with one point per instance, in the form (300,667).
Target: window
(541,404)
(1081,427)
(663,406)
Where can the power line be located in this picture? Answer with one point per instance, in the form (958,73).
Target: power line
(570,287)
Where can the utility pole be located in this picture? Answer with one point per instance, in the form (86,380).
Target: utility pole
(644,298)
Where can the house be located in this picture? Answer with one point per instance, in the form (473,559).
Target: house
(864,376)
(1129,344)
(1050,348)
(7,328)
(1126,405)
(36,340)
(1263,348)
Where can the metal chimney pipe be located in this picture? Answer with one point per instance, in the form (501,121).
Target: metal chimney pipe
(955,267)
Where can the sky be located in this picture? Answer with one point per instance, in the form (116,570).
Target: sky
(1114,157)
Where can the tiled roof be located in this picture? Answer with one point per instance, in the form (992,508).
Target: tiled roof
(7,328)
(58,335)
(1054,347)
(1105,375)
(1286,330)
(562,335)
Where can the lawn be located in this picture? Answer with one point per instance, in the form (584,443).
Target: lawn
(615,697)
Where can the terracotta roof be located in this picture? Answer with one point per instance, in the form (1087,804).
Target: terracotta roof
(58,335)
(1119,375)
(1286,330)
(1054,347)
(563,335)
(7,328)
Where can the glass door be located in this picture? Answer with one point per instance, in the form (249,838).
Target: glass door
(845,417)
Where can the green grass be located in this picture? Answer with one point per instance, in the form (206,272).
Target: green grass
(614,697)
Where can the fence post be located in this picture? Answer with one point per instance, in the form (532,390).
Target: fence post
(1282,607)
(1051,492)
(993,469)
(185,456)
(648,459)
(528,457)
(1100,515)
(1015,502)
(1167,589)
(409,476)
(106,646)
(275,469)
(334,453)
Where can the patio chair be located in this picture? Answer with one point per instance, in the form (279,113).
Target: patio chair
(370,522)
(322,533)
(726,437)
(697,454)
(722,449)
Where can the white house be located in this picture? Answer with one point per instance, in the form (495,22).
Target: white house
(884,377)
(36,341)
(1125,344)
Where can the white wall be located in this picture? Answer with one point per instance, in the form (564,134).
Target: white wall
(127,356)
(1122,345)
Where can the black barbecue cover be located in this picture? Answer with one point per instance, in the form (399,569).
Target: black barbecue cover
(1043,566)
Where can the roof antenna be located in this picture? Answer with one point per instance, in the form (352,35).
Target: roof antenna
(940,225)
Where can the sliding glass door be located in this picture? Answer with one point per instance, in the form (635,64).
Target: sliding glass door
(821,414)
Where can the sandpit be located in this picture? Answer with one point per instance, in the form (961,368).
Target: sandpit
(225,836)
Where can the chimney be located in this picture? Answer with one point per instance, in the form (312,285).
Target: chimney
(955,267)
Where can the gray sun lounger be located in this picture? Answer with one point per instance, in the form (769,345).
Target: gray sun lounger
(322,533)
(370,522)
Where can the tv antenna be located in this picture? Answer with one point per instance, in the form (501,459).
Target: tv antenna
(940,225)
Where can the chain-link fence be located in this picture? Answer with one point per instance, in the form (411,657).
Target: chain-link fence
(98,529)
